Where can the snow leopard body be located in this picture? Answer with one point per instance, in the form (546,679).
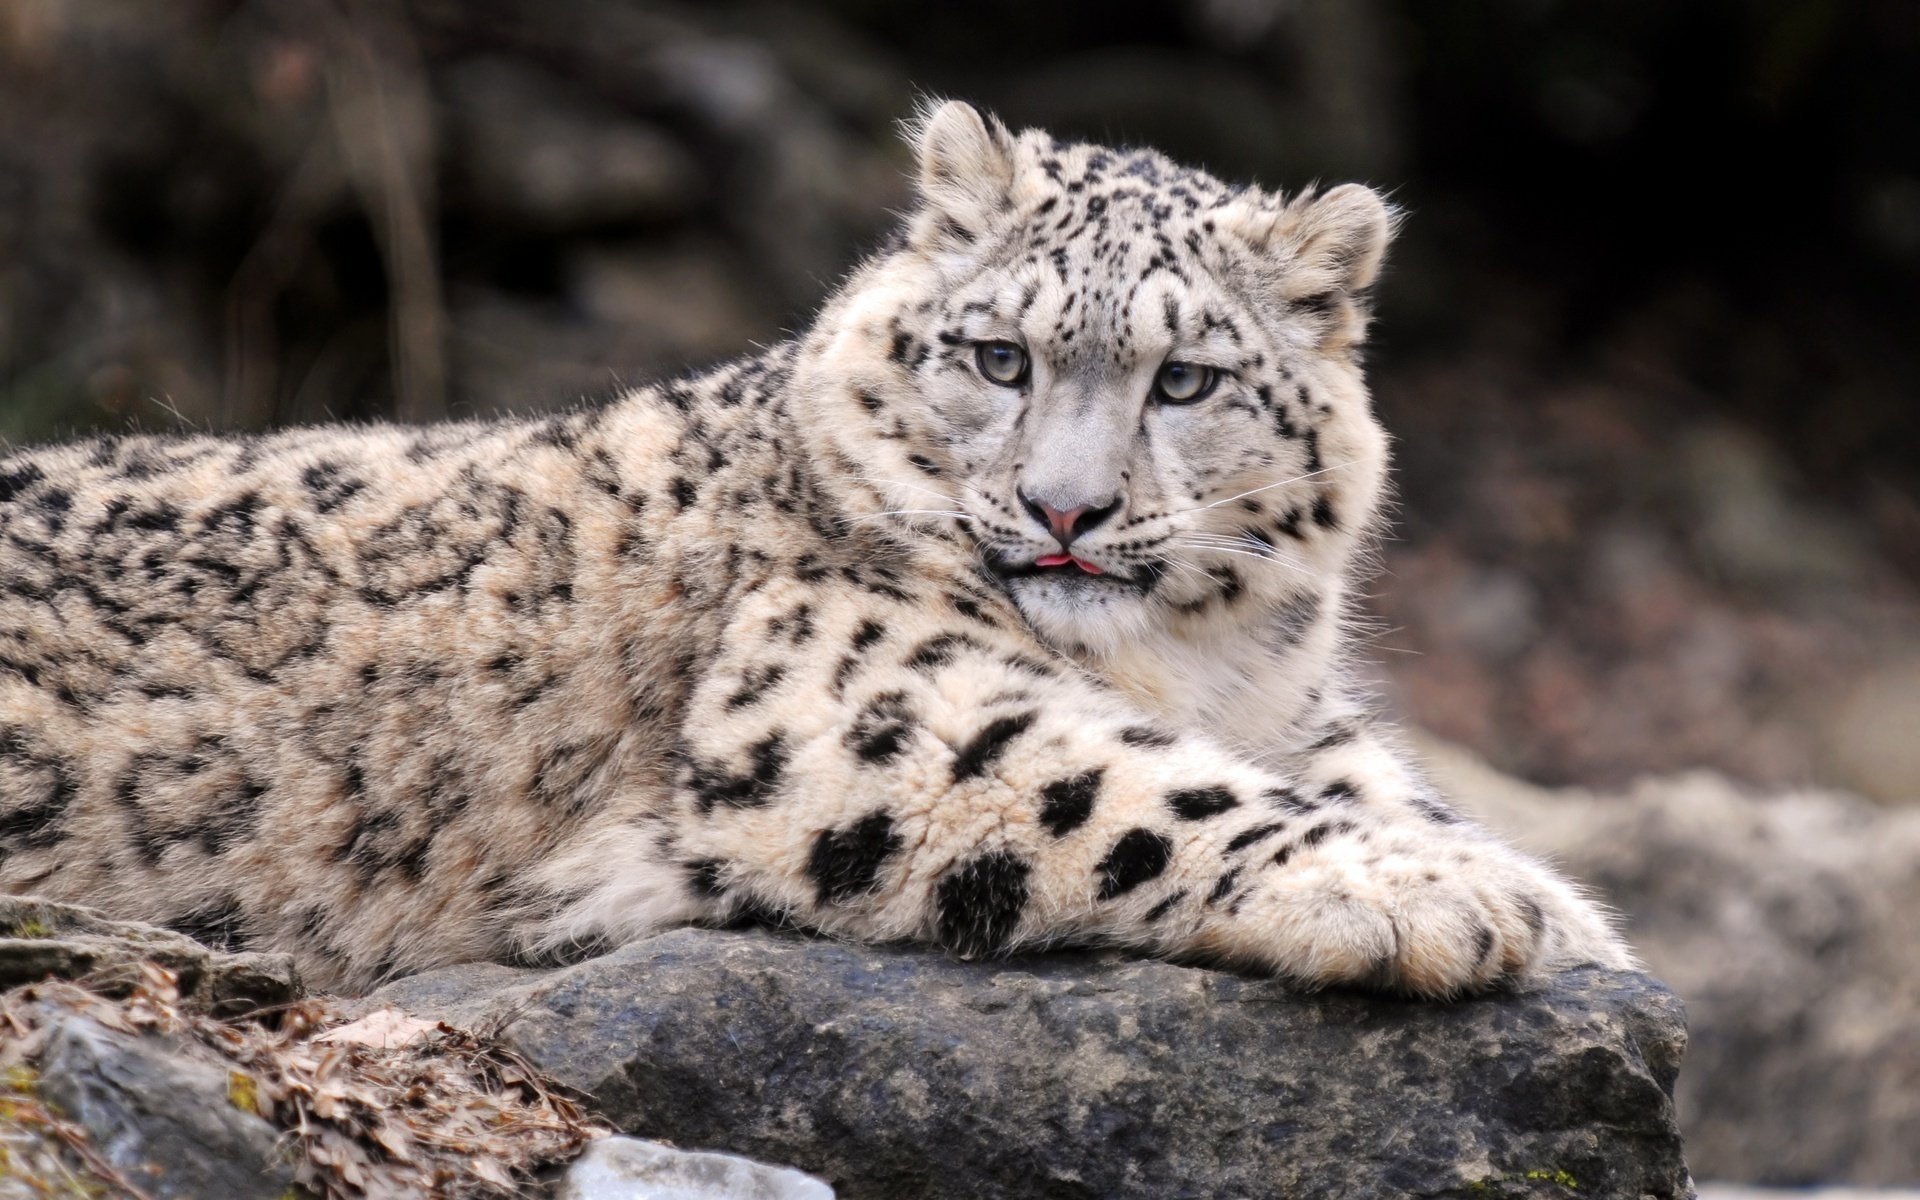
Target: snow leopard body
(1006,606)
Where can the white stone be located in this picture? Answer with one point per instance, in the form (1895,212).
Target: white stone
(623,1168)
(1737,1191)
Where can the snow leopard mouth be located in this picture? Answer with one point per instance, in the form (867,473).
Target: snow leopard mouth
(1071,571)
(1047,562)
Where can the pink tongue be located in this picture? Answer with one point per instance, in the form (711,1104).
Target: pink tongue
(1061,560)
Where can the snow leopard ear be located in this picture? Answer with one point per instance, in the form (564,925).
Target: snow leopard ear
(966,174)
(1325,251)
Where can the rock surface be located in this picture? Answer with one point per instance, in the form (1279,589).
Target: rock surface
(42,940)
(158,1109)
(624,1168)
(1787,924)
(896,1072)
(1734,1191)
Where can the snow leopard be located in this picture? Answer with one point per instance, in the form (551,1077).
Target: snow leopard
(1008,605)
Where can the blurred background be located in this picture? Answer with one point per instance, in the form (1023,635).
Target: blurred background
(1648,347)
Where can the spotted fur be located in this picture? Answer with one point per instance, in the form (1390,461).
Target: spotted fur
(777,640)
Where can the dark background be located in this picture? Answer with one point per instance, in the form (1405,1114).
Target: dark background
(1647,344)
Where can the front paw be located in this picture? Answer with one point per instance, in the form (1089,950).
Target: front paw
(1426,921)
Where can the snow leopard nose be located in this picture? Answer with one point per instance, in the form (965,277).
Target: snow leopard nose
(1067,524)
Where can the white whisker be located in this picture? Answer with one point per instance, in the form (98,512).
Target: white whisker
(1248,546)
(1186,567)
(914,487)
(910,512)
(1221,539)
(1261,555)
(1263,488)
(1276,553)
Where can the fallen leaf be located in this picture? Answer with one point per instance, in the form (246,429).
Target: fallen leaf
(382,1030)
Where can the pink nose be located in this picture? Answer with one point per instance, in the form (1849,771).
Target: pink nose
(1063,523)
(1068,524)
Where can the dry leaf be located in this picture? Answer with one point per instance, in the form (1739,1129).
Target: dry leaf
(388,1105)
(393,1137)
(383,1030)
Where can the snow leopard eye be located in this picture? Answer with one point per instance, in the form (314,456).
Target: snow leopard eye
(1002,362)
(1183,383)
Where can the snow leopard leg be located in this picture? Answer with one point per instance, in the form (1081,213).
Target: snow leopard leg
(916,774)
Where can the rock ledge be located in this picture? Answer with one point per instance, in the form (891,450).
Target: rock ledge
(896,1072)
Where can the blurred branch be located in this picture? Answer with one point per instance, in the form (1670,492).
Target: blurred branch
(254,365)
(383,120)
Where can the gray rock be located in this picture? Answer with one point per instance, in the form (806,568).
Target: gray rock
(896,1072)
(1733,1191)
(41,940)
(623,1168)
(1787,924)
(160,1114)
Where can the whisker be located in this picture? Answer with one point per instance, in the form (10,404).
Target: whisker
(910,512)
(1249,546)
(1275,553)
(914,487)
(1263,556)
(1222,539)
(1263,488)
(1179,564)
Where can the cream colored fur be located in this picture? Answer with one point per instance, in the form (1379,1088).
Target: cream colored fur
(783,641)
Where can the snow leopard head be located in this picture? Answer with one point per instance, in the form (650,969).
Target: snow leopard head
(1133,388)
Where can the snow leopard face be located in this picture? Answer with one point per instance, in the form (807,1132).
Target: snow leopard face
(1133,388)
